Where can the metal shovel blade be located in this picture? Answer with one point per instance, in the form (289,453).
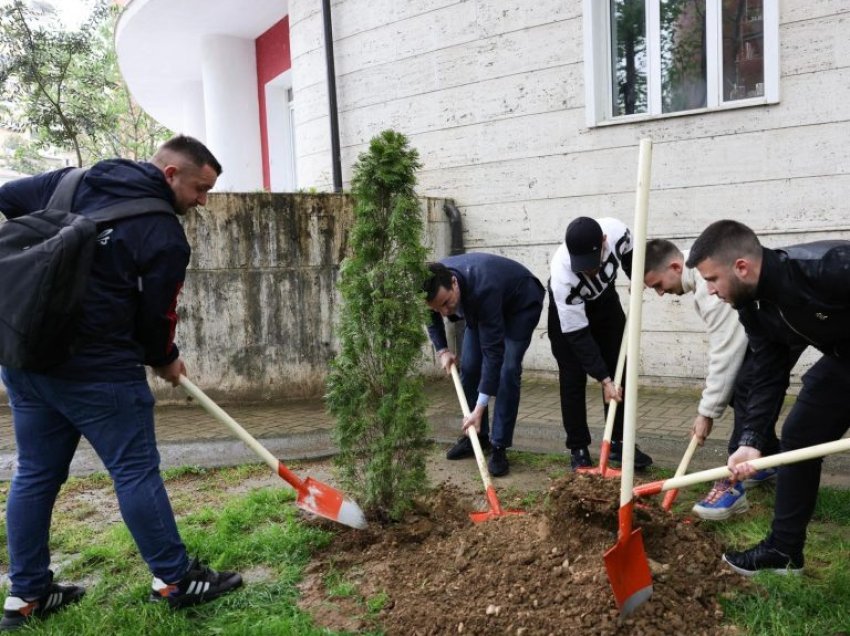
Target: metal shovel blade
(627,565)
(321,499)
(313,496)
(628,572)
(495,511)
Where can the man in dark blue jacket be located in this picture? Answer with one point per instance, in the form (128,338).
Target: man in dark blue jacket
(786,299)
(101,392)
(501,301)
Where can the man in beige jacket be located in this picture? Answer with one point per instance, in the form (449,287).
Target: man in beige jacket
(727,377)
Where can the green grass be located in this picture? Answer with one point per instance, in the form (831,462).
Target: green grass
(813,604)
(259,530)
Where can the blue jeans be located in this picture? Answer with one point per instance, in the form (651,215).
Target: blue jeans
(49,416)
(507,399)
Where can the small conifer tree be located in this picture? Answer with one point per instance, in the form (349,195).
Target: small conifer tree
(374,390)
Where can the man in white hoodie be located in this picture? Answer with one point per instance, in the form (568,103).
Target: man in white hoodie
(728,374)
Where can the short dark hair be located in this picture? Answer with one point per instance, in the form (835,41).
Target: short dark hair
(193,150)
(724,241)
(659,252)
(441,276)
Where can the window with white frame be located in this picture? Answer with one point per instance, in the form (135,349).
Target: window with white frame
(652,58)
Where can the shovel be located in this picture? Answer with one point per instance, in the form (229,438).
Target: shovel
(670,497)
(605,451)
(626,562)
(313,496)
(495,507)
(723,472)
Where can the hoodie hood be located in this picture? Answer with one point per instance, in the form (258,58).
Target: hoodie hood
(123,179)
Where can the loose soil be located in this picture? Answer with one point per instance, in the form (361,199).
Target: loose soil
(541,572)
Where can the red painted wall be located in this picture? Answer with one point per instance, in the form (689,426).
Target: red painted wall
(273,58)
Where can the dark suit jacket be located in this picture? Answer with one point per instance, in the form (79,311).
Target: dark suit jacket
(498,297)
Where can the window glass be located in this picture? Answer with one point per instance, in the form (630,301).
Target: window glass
(628,56)
(683,55)
(743,48)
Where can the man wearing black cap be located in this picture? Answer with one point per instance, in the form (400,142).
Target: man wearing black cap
(586,323)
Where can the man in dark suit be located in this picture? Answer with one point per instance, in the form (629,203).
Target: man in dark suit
(501,302)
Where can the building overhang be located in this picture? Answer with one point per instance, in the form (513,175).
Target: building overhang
(159,45)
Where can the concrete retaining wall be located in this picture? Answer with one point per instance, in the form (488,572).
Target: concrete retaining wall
(258,309)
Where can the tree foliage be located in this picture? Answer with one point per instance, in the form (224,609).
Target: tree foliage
(374,390)
(65,88)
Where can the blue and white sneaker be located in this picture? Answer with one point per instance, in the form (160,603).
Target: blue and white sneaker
(722,501)
(760,477)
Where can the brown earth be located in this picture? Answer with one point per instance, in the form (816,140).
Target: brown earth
(537,573)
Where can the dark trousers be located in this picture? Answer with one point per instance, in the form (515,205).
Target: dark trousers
(743,382)
(607,322)
(820,414)
(49,416)
(519,327)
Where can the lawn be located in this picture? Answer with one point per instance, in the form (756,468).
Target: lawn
(233,519)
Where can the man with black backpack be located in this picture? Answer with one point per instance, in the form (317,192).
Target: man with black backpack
(97,387)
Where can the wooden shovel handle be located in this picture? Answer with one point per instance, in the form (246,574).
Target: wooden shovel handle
(618,380)
(722,472)
(634,322)
(683,467)
(218,413)
(471,432)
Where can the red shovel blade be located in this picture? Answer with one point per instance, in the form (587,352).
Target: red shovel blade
(495,511)
(628,567)
(603,468)
(320,499)
(489,515)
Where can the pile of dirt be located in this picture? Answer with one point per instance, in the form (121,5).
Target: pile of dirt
(537,573)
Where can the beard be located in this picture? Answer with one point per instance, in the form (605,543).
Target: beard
(741,293)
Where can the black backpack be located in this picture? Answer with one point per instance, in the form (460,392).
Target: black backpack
(45,260)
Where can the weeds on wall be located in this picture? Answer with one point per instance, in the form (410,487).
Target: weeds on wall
(374,390)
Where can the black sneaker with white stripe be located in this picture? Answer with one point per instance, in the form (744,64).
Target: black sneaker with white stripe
(17,611)
(199,585)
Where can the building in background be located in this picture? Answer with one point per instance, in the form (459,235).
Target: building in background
(527,114)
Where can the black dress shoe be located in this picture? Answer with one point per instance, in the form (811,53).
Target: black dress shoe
(498,464)
(642,460)
(580,458)
(463,448)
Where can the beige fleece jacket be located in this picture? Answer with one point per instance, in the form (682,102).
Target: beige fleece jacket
(727,344)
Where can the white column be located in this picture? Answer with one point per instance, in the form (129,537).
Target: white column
(192,114)
(229,72)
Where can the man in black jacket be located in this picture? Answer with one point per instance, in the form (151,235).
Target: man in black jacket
(786,299)
(101,392)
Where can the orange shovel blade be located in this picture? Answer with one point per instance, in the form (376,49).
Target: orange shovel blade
(489,515)
(323,500)
(603,468)
(628,568)
(495,508)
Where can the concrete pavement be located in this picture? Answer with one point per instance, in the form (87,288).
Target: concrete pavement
(301,429)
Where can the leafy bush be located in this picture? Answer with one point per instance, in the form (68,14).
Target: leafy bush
(374,390)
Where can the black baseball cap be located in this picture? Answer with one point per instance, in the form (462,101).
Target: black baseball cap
(584,243)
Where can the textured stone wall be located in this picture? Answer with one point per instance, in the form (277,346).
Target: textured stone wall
(258,310)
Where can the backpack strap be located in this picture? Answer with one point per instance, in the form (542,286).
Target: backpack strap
(63,195)
(130,208)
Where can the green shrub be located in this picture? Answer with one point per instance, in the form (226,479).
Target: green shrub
(374,390)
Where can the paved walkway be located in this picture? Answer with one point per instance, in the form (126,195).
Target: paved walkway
(302,429)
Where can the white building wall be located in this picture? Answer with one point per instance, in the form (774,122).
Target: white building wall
(491,93)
